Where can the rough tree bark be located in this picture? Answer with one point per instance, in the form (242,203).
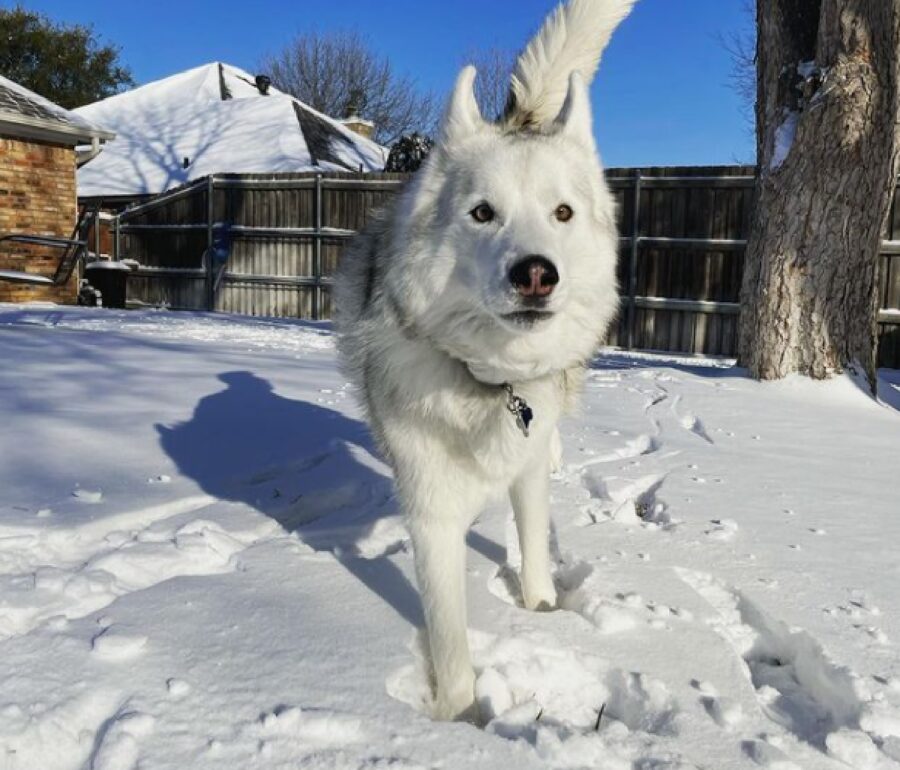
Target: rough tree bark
(828,75)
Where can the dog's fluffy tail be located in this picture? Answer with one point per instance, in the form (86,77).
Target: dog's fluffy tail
(572,39)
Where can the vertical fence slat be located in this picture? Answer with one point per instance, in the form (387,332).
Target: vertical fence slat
(317,252)
(633,266)
(210,266)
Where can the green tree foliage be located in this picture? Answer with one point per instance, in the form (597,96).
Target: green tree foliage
(63,63)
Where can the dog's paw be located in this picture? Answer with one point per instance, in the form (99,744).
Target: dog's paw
(539,595)
(541,601)
(457,710)
(455,701)
(471,715)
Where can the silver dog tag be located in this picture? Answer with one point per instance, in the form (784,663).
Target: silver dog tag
(519,408)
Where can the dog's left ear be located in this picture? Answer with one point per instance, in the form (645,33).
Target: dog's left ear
(463,117)
(575,118)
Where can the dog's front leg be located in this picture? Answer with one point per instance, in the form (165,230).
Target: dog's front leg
(439,545)
(530,496)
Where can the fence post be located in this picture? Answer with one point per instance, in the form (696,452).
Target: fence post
(117,254)
(633,266)
(97,232)
(210,266)
(317,253)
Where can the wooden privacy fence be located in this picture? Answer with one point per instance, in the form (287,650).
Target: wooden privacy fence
(281,235)
(683,232)
(681,251)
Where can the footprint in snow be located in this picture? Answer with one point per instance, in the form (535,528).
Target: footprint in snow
(117,743)
(695,425)
(722,530)
(798,686)
(767,754)
(725,712)
(620,612)
(92,497)
(629,502)
(114,645)
(874,633)
(862,613)
(640,446)
(608,613)
(549,695)
(288,736)
(177,688)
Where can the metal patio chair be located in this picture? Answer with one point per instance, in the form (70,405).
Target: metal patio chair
(74,250)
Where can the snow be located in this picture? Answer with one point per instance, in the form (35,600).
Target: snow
(784,138)
(108,265)
(807,69)
(786,132)
(202,565)
(64,116)
(160,124)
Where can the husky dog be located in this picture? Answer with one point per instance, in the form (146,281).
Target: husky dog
(467,313)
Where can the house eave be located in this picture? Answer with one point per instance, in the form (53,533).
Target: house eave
(26,127)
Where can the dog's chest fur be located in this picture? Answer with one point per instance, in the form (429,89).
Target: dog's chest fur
(435,404)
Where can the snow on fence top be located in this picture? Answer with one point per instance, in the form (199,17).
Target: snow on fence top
(213,120)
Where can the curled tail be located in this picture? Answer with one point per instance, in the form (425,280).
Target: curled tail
(572,39)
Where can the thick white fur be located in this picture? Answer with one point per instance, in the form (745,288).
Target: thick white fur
(572,39)
(421,297)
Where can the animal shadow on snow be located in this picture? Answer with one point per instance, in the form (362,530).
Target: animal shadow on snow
(311,468)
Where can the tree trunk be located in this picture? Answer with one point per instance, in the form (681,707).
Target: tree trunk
(829,80)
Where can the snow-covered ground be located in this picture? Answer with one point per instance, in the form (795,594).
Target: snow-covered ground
(201,566)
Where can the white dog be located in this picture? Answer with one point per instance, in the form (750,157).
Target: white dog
(468,311)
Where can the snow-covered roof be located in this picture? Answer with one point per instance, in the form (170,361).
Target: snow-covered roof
(29,115)
(214,120)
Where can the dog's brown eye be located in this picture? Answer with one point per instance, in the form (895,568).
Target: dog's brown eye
(482,213)
(563,213)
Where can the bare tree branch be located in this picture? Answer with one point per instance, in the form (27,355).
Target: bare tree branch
(741,45)
(331,71)
(494,67)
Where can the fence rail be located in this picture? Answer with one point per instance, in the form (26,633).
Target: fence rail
(683,233)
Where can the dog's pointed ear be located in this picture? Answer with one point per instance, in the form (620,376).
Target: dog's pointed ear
(463,117)
(575,118)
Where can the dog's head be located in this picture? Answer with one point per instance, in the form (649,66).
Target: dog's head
(509,239)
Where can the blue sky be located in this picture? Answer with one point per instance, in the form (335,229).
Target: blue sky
(662,96)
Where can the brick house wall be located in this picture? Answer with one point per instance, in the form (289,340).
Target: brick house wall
(37,197)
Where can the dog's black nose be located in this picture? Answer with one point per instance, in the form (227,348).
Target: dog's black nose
(534,276)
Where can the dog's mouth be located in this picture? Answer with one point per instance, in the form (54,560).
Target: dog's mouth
(528,318)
